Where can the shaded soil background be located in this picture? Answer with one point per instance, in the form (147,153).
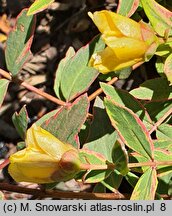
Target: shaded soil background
(64,24)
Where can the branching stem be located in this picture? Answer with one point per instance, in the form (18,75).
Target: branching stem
(33,89)
(130,165)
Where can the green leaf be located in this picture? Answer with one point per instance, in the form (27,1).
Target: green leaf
(163,155)
(154,89)
(123,73)
(170,188)
(120,158)
(163,144)
(164,132)
(126,99)
(159,16)
(164,184)
(20,121)
(168,68)
(21,145)
(157,109)
(19,41)
(84,132)
(50,186)
(91,157)
(75,76)
(120,74)
(164,49)
(160,155)
(95,176)
(127,8)
(160,65)
(132,179)
(59,73)
(146,186)
(45,117)
(102,136)
(99,188)
(134,157)
(130,128)
(113,181)
(3,89)
(39,5)
(67,121)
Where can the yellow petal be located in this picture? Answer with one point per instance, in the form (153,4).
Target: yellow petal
(30,138)
(112,23)
(32,166)
(35,173)
(42,160)
(46,142)
(108,60)
(127,48)
(31,155)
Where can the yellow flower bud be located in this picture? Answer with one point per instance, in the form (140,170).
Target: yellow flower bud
(44,159)
(125,40)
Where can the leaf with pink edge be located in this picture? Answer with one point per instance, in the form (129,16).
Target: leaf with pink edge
(130,128)
(146,186)
(20,121)
(94,158)
(159,17)
(168,68)
(39,5)
(67,121)
(127,8)
(3,89)
(19,41)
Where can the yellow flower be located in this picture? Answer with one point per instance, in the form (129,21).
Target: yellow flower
(127,41)
(44,160)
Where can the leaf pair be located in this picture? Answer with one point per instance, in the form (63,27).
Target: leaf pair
(134,134)
(73,76)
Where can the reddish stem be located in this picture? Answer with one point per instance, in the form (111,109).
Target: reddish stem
(160,121)
(63,194)
(99,91)
(33,89)
(4,163)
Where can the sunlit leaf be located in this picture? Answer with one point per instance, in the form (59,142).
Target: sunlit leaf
(164,132)
(19,41)
(127,8)
(39,5)
(59,73)
(130,128)
(151,90)
(73,76)
(146,186)
(20,120)
(168,68)
(91,157)
(124,98)
(67,121)
(159,17)
(3,89)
